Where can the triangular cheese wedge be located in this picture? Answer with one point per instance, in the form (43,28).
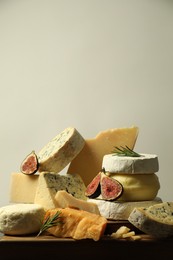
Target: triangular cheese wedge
(89,161)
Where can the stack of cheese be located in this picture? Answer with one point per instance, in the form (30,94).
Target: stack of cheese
(49,188)
(139,180)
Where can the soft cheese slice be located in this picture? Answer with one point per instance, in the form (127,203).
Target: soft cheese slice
(22,187)
(65,199)
(114,210)
(146,163)
(50,183)
(89,161)
(78,224)
(21,219)
(60,151)
(155,220)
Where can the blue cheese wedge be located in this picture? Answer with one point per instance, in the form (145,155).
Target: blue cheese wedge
(50,183)
(21,218)
(156,220)
(60,151)
(146,163)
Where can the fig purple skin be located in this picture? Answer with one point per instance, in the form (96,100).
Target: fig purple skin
(93,189)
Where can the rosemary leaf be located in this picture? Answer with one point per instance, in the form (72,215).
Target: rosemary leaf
(50,222)
(125,151)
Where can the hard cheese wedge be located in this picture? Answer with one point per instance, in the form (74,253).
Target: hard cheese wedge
(89,161)
(67,200)
(78,224)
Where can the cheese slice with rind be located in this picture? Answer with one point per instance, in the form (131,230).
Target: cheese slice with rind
(156,220)
(60,151)
(146,163)
(89,161)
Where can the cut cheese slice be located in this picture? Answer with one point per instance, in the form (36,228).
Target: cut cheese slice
(78,224)
(114,210)
(89,161)
(146,163)
(65,199)
(156,220)
(60,151)
(22,187)
(50,183)
(21,219)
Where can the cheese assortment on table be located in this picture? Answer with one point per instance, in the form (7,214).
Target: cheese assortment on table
(105,180)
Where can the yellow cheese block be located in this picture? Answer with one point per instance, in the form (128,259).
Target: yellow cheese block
(22,187)
(89,161)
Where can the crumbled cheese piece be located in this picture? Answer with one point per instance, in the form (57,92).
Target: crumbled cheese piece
(129,234)
(125,232)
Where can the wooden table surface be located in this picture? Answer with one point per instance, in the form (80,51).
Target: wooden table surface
(53,248)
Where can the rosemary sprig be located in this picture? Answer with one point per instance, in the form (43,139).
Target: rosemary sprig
(125,151)
(50,222)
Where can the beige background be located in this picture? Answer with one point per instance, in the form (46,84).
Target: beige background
(91,64)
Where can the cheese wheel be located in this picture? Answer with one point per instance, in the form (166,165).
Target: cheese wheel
(146,163)
(21,219)
(137,187)
(60,151)
(114,210)
(156,220)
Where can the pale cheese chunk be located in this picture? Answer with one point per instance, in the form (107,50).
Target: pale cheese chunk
(60,151)
(146,163)
(22,187)
(89,161)
(21,219)
(78,224)
(50,183)
(65,199)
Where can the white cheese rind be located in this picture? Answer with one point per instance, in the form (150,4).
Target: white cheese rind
(146,163)
(60,151)
(21,219)
(120,210)
(64,200)
(50,183)
(155,220)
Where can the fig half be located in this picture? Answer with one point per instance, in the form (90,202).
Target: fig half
(30,164)
(111,189)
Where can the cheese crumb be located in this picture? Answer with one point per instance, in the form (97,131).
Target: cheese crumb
(125,233)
